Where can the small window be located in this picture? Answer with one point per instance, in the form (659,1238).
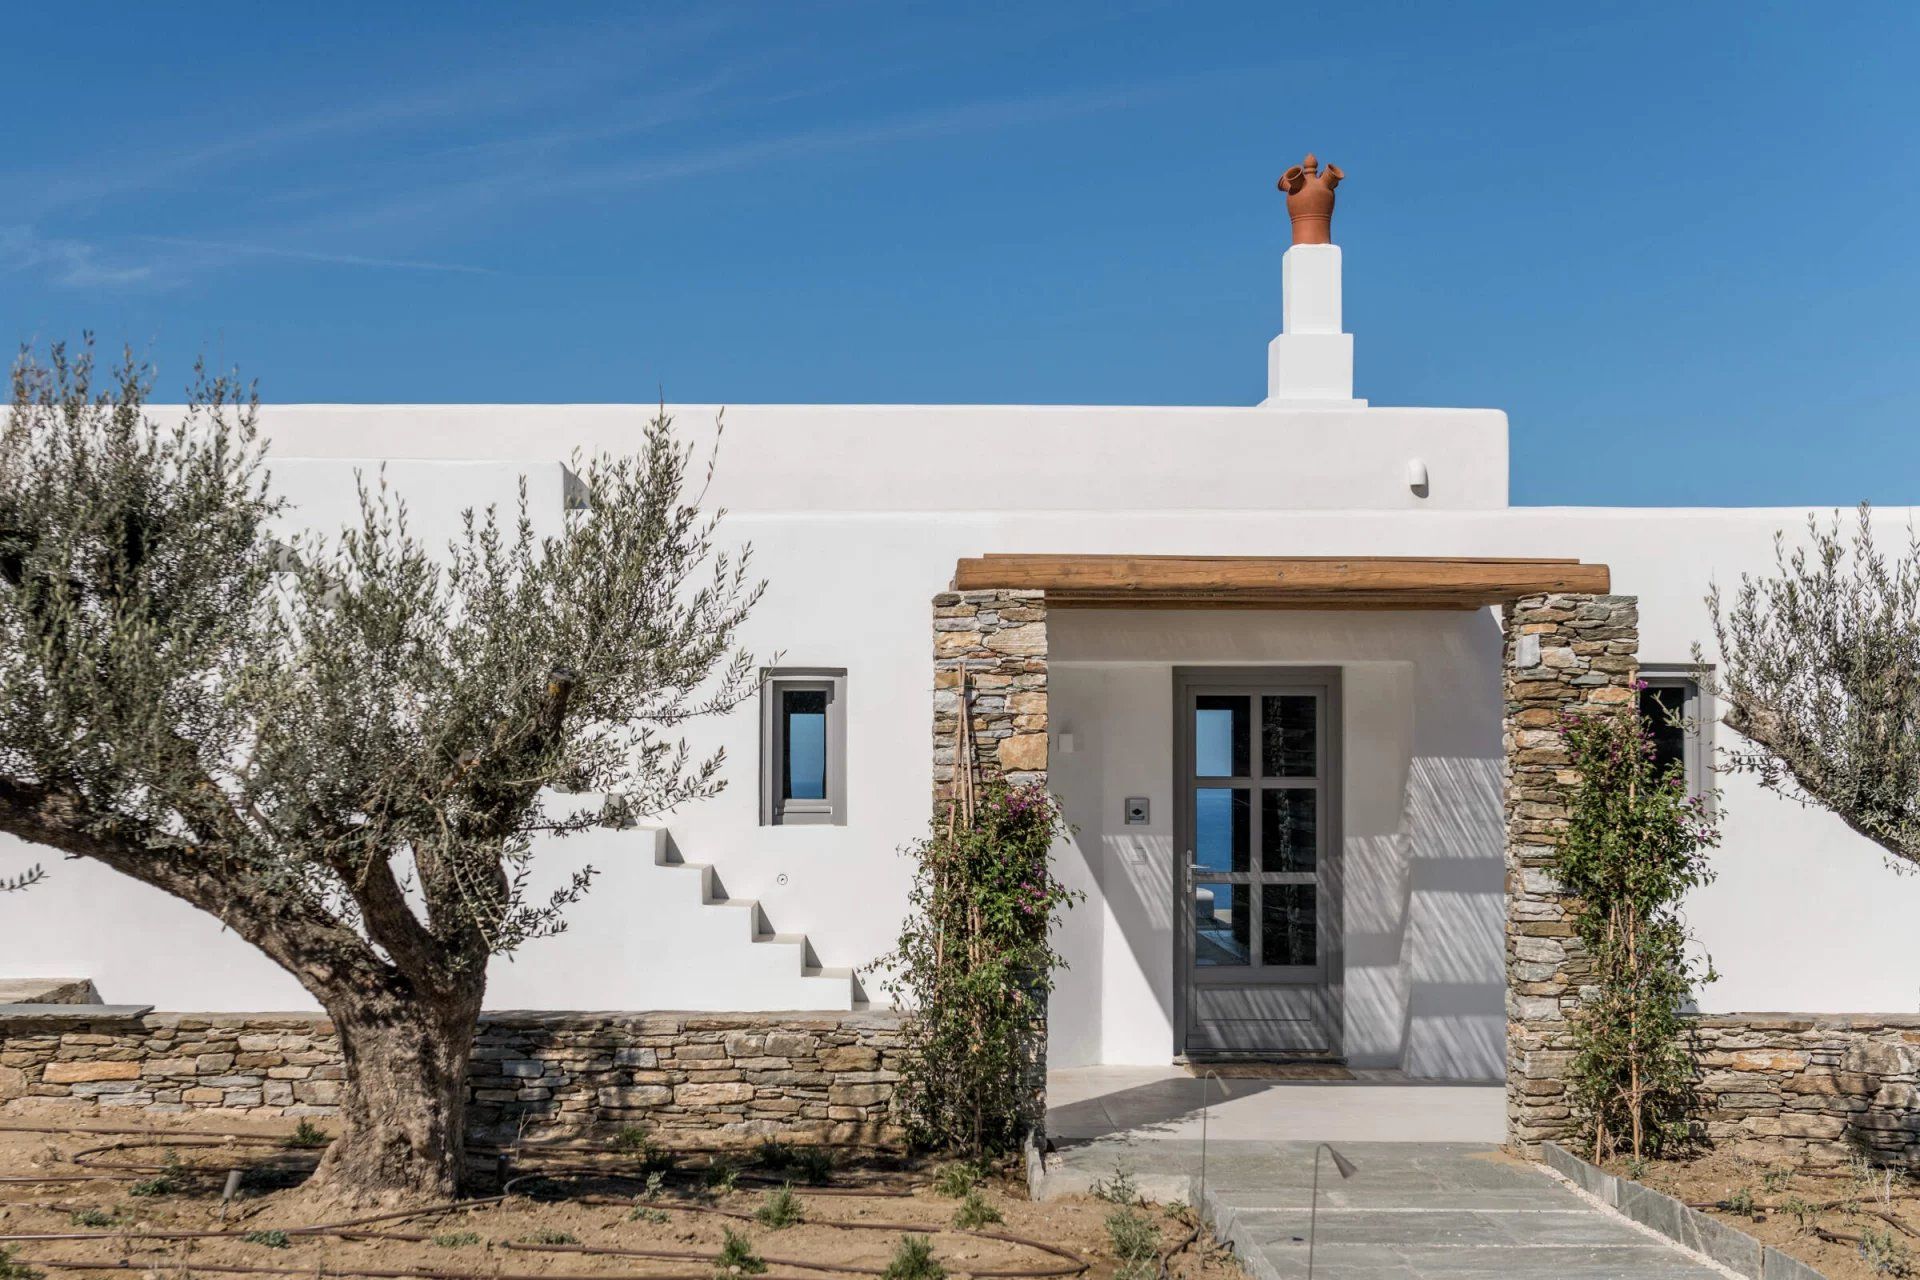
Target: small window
(803,747)
(1681,725)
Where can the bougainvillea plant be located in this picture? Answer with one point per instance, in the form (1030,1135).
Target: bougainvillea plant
(974,965)
(1635,844)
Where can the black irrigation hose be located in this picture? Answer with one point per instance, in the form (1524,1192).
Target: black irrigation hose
(1165,1271)
(1075,1264)
(370,1273)
(88,1158)
(1760,1208)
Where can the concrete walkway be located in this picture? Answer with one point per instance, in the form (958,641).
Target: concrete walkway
(1427,1208)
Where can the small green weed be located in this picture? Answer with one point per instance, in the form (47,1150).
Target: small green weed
(1636,1168)
(956,1179)
(94,1218)
(456,1239)
(1799,1210)
(1119,1189)
(737,1257)
(267,1239)
(975,1211)
(656,1183)
(780,1209)
(1133,1236)
(914,1260)
(1885,1254)
(308,1134)
(165,1183)
(548,1235)
(633,1140)
(641,1213)
(813,1164)
(11,1270)
(1776,1179)
(1740,1202)
(720,1177)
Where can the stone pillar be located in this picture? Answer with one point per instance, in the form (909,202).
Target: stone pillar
(999,638)
(1564,654)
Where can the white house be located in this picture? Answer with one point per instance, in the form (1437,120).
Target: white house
(1289,820)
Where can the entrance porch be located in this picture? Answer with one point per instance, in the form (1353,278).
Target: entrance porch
(1312,802)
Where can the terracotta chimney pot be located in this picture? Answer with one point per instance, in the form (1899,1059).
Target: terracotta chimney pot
(1310,199)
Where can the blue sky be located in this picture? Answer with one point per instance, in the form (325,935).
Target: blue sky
(1675,242)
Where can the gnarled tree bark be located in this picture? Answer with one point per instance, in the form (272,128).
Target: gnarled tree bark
(404,1101)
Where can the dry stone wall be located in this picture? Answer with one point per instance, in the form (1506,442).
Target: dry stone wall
(720,1076)
(1564,655)
(1811,1088)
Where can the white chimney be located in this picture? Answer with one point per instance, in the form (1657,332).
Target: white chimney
(1310,365)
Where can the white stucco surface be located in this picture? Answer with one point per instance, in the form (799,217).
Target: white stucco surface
(857,516)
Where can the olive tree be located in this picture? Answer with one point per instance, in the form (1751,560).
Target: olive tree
(1820,674)
(347,748)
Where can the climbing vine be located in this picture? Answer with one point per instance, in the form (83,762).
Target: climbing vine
(974,964)
(1634,845)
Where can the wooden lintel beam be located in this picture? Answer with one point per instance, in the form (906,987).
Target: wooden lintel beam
(1281,581)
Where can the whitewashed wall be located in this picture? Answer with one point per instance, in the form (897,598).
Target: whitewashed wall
(1805,915)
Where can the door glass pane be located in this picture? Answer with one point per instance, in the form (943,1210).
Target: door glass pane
(1288,830)
(1220,736)
(803,744)
(1221,817)
(1289,932)
(1221,922)
(1287,733)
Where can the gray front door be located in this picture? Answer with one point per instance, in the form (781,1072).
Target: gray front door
(1257,853)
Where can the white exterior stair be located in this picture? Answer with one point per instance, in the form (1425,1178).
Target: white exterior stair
(772,970)
(663,934)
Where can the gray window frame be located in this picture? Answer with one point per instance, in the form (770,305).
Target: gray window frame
(1696,751)
(774,810)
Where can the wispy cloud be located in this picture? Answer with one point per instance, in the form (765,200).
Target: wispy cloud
(494,90)
(542,176)
(225,249)
(67,261)
(981,116)
(382,183)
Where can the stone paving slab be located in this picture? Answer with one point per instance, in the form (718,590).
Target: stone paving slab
(1412,1211)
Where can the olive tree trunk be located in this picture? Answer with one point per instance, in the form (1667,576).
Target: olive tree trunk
(403,1103)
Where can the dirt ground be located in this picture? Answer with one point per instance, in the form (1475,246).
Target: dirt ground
(1857,1224)
(75,1199)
